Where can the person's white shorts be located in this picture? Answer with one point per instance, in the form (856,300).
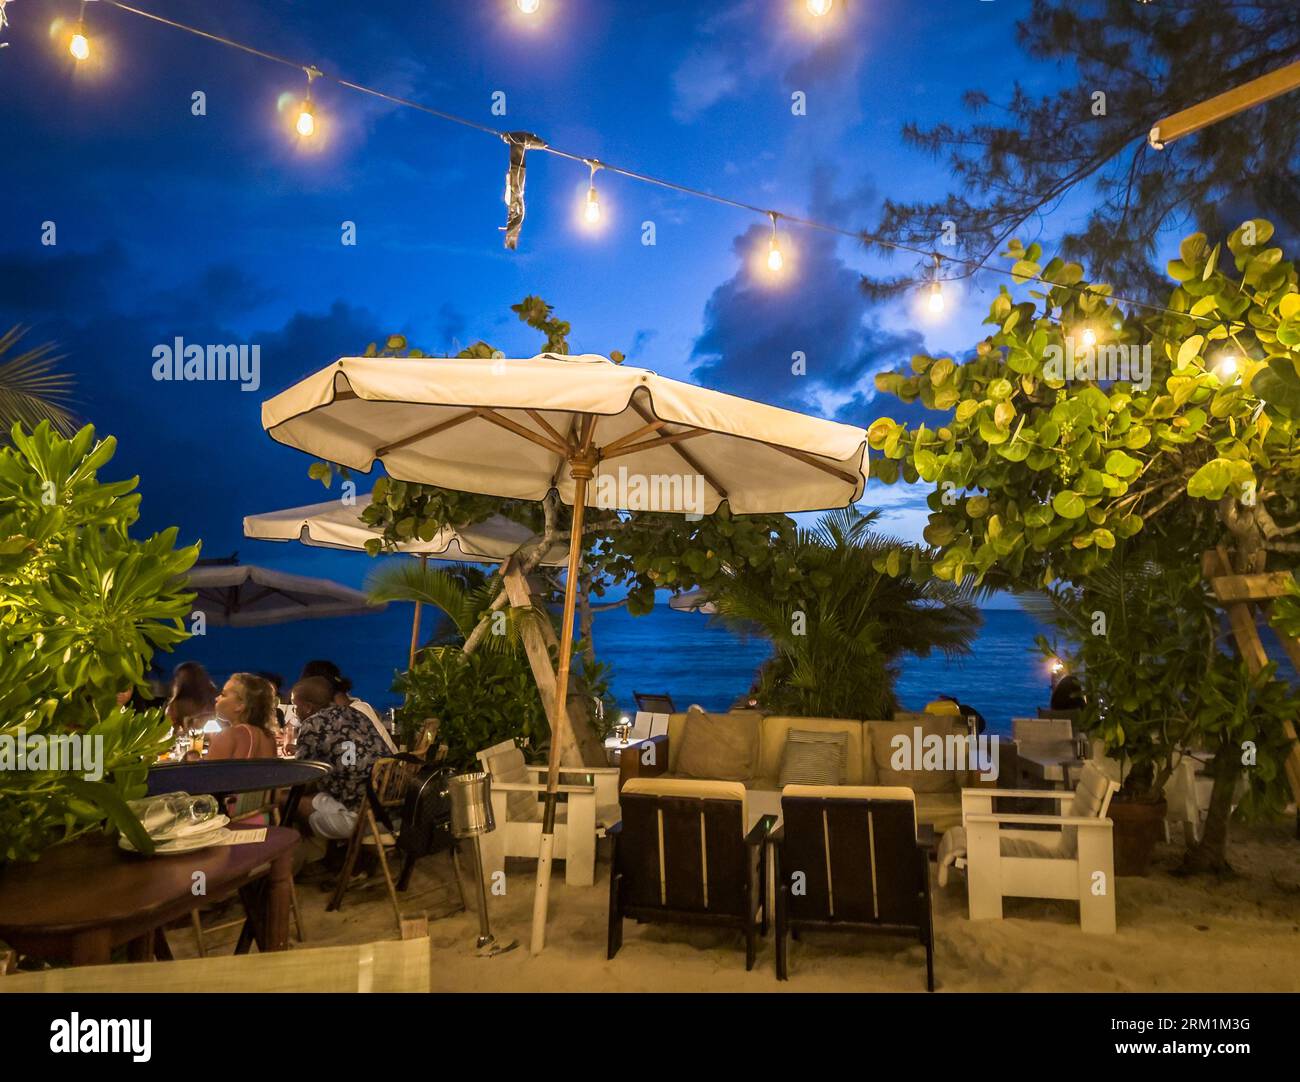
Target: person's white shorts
(330,819)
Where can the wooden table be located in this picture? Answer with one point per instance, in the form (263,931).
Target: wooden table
(83,899)
(1054,768)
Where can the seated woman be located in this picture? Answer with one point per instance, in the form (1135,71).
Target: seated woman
(247,706)
(192,703)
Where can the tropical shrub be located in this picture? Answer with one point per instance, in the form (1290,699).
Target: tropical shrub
(846,616)
(83,608)
(1042,465)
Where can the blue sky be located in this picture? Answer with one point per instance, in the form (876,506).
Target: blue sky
(223,228)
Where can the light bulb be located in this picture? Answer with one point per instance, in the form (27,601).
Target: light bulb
(1057,668)
(1226,366)
(1088,338)
(774,260)
(819,7)
(306,124)
(936,299)
(592,210)
(528,7)
(79,47)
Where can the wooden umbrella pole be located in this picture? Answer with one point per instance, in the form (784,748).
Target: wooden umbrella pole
(415,621)
(583,470)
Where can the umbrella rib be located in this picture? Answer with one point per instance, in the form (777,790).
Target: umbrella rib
(650,445)
(812,460)
(406,441)
(685,455)
(520,430)
(547,426)
(632,437)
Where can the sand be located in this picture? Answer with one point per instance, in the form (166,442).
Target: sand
(1175,934)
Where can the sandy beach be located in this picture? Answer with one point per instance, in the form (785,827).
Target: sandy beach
(1175,934)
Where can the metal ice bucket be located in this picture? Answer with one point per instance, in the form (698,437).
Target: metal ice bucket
(471,804)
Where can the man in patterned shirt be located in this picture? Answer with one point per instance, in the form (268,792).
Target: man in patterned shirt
(345,739)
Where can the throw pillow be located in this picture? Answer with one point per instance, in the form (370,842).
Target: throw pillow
(918,766)
(719,747)
(814,758)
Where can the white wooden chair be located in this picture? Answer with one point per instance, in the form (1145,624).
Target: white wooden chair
(591,808)
(1073,861)
(1053,746)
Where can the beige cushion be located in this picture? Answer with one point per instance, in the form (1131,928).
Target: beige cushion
(886,751)
(812,758)
(776,728)
(686,787)
(719,746)
(509,766)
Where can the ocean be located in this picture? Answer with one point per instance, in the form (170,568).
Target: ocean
(686,655)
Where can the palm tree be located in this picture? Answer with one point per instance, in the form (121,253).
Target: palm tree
(31,388)
(836,650)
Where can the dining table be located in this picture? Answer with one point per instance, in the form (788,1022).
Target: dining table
(86,898)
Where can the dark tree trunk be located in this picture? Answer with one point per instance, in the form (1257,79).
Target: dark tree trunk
(1210,854)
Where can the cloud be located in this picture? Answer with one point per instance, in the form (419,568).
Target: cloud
(757,326)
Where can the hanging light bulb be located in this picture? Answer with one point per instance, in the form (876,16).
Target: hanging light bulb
(528,7)
(818,8)
(1226,366)
(79,46)
(591,212)
(775,261)
(305,125)
(935,301)
(1088,338)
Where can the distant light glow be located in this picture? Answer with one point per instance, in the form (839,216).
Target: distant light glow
(1058,667)
(528,7)
(79,47)
(1226,366)
(1088,338)
(819,8)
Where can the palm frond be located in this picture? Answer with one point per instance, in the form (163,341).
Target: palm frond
(31,387)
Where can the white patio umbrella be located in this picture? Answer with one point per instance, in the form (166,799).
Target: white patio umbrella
(243,595)
(338,525)
(692,601)
(601,434)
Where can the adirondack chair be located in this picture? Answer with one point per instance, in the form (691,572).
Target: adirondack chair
(589,810)
(863,866)
(1046,750)
(1073,859)
(681,856)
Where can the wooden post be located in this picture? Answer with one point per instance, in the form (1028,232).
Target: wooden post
(1237,593)
(582,466)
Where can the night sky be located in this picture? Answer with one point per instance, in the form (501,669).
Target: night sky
(225,228)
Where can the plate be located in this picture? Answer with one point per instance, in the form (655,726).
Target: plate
(185,844)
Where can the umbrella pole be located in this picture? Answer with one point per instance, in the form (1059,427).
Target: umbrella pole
(541,895)
(415,622)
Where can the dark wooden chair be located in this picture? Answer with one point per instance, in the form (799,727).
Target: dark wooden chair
(849,857)
(682,856)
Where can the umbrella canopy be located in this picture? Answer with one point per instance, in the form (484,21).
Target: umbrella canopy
(504,427)
(599,433)
(336,525)
(242,595)
(692,601)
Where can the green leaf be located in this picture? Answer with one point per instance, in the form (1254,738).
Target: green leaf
(1122,465)
(1211,480)
(1068,504)
(109,801)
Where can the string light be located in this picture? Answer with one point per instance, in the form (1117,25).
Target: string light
(935,301)
(1226,366)
(775,261)
(306,122)
(79,46)
(4,21)
(532,142)
(1088,338)
(591,212)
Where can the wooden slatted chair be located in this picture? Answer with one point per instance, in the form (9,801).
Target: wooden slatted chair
(681,856)
(854,854)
